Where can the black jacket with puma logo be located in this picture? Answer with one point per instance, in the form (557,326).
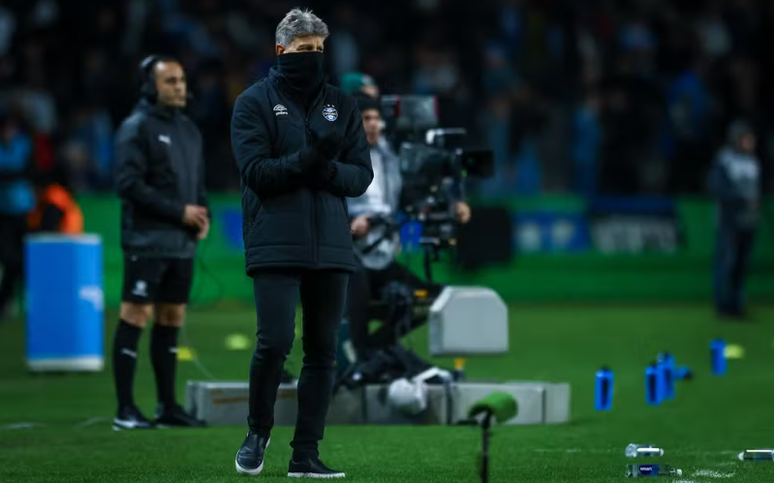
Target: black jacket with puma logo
(159,170)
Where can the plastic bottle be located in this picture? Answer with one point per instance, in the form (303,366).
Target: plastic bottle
(603,393)
(636,471)
(643,450)
(718,357)
(653,386)
(666,364)
(757,455)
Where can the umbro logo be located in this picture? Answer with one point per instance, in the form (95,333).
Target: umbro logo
(165,139)
(280,110)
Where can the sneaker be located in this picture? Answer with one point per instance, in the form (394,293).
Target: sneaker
(176,416)
(312,468)
(129,417)
(249,458)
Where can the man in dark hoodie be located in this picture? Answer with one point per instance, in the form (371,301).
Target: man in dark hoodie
(301,150)
(734,181)
(160,180)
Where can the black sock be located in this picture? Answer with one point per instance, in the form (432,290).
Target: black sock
(124,361)
(164,359)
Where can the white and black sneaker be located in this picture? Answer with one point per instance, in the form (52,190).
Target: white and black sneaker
(129,417)
(249,458)
(312,468)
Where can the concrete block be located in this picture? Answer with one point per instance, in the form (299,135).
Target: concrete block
(226,403)
(556,400)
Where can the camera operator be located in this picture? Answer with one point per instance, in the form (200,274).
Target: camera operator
(378,268)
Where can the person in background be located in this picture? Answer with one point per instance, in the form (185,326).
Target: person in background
(17,199)
(164,215)
(379,267)
(55,210)
(734,181)
(354,83)
(585,148)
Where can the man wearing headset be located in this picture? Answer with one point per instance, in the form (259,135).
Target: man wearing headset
(159,178)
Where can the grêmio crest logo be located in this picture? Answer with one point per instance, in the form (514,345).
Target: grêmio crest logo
(330,113)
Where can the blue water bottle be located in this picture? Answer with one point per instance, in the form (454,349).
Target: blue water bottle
(666,366)
(718,357)
(603,400)
(653,385)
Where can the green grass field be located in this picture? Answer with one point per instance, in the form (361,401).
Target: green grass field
(712,419)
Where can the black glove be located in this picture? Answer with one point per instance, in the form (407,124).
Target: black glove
(316,159)
(328,146)
(311,161)
(319,177)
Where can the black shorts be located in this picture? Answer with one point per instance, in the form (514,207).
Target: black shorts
(157,280)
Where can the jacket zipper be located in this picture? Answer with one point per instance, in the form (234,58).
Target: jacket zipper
(314,197)
(314,193)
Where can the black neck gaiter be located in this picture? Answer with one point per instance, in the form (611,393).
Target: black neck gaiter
(303,73)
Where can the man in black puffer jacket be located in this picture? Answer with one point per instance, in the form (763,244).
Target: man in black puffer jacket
(301,149)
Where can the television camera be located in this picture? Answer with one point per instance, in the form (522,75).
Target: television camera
(434,163)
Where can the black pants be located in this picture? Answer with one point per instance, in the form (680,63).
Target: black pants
(323,296)
(12,231)
(732,256)
(365,286)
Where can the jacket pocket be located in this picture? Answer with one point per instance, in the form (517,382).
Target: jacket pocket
(251,206)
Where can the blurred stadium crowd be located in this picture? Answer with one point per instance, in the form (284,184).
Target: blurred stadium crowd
(598,96)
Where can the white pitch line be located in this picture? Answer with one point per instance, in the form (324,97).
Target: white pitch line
(572,450)
(23,425)
(713,474)
(92,422)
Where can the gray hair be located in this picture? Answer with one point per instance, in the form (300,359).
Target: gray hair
(300,23)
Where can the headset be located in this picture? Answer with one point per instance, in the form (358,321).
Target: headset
(148,78)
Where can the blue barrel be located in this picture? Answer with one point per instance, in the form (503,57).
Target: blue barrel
(64,303)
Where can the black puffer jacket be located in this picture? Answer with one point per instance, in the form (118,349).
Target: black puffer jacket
(159,170)
(288,221)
